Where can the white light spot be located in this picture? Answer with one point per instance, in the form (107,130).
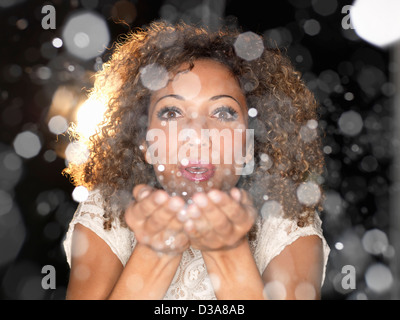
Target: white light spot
(161,168)
(339,245)
(252,112)
(154,76)
(312,27)
(305,291)
(80,245)
(350,123)
(375,241)
(249,46)
(274,290)
(80,194)
(81,40)
(379,278)
(27,144)
(308,193)
(376,21)
(58,124)
(86,35)
(184,162)
(134,282)
(271,208)
(76,153)
(312,124)
(187,82)
(215,280)
(307,134)
(81,272)
(57,43)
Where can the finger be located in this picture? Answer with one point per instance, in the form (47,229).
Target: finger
(141,191)
(234,209)
(164,214)
(209,206)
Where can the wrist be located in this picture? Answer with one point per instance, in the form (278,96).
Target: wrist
(227,253)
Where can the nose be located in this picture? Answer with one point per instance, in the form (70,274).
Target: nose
(195,132)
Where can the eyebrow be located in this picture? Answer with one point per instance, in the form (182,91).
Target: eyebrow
(176,96)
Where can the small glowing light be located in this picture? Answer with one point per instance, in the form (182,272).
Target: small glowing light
(89,116)
(271,208)
(377,22)
(58,124)
(312,27)
(249,46)
(375,241)
(215,280)
(274,290)
(81,40)
(154,76)
(80,194)
(350,123)
(312,124)
(252,112)
(339,246)
(184,161)
(308,193)
(27,144)
(161,168)
(57,43)
(86,35)
(187,81)
(379,278)
(76,153)
(305,291)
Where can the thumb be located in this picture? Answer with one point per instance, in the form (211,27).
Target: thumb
(141,191)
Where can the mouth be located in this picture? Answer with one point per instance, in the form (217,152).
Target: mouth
(196,171)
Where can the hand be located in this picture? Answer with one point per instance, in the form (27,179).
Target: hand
(153,219)
(219,220)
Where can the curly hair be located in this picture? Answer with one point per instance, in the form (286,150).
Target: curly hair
(287,143)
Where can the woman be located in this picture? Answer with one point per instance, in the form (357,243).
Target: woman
(208,220)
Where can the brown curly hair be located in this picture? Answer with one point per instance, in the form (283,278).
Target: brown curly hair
(284,157)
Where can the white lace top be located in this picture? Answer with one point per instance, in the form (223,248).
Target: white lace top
(191,280)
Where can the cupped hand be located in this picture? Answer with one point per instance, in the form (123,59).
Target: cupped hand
(219,220)
(153,217)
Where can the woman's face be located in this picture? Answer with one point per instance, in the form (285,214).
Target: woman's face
(196,138)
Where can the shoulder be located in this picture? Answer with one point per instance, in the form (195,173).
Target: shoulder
(276,233)
(89,214)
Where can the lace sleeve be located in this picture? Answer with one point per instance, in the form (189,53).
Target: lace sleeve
(275,233)
(90,214)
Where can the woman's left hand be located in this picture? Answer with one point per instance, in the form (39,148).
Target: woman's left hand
(218,220)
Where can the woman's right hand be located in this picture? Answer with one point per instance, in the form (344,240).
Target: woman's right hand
(153,217)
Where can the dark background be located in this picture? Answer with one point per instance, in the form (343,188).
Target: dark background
(344,72)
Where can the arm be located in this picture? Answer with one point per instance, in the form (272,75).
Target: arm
(220,234)
(295,273)
(98,274)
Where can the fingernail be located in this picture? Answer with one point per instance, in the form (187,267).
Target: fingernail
(160,198)
(189,225)
(200,199)
(215,196)
(193,211)
(175,204)
(235,193)
(143,194)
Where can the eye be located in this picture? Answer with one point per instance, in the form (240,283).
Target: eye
(225,114)
(169,113)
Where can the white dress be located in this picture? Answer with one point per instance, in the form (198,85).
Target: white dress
(191,280)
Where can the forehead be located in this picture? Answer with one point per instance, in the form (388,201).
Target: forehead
(206,78)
